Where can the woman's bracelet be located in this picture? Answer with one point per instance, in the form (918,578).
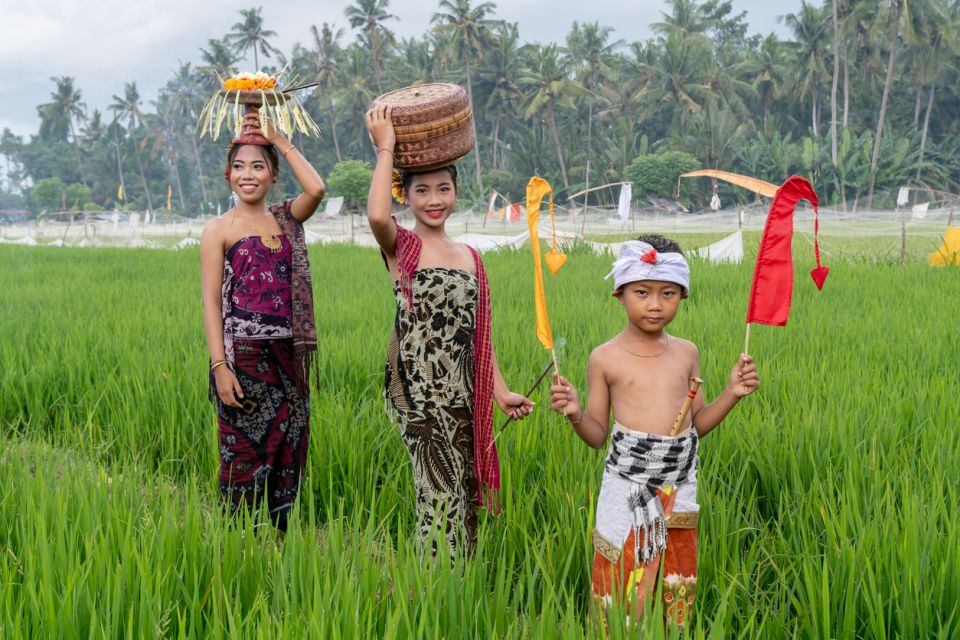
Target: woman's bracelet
(289,149)
(217,364)
(577,423)
(379,149)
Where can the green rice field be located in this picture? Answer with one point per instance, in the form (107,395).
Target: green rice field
(830,499)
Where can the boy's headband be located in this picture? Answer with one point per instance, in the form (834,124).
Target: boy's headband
(640,261)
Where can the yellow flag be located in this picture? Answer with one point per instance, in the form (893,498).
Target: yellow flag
(120,192)
(536,189)
(949,251)
(169,196)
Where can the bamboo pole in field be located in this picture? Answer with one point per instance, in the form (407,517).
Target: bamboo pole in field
(695,383)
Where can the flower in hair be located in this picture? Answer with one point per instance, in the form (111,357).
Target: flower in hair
(397,187)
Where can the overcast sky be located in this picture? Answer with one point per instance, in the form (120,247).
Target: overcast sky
(106,43)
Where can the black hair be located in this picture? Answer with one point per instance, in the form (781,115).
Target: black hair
(661,244)
(406,177)
(269,154)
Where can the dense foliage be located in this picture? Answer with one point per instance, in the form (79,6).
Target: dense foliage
(862,97)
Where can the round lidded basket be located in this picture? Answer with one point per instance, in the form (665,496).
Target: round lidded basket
(433,125)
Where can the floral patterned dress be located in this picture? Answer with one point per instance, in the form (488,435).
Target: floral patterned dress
(429,383)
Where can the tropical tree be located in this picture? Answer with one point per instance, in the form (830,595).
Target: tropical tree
(58,115)
(128,107)
(809,27)
(895,23)
(219,59)
(369,16)
(550,85)
(249,34)
(498,79)
(326,51)
(468,32)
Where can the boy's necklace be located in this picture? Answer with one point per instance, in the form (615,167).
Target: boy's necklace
(641,355)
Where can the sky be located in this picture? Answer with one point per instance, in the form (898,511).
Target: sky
(104,44)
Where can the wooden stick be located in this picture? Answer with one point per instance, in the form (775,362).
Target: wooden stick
(695,383)
(543,374)
(746,342)
(556,367)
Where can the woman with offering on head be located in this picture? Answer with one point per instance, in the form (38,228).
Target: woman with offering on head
(259,323)
(442,378)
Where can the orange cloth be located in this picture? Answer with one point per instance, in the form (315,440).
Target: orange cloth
(623,579)
(536,189)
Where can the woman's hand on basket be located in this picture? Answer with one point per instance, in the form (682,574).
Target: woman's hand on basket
(228,387)
(380,126)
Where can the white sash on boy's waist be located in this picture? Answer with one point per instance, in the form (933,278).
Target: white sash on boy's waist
(651,462)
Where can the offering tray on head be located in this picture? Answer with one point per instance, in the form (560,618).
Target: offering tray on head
(433,123)
(257,92)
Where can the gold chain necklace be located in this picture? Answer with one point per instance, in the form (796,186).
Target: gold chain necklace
(640,355)
(269,240)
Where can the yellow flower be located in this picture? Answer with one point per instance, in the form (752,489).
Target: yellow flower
(397,187)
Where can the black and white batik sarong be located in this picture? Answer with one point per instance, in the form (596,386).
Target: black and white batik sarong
(651,462)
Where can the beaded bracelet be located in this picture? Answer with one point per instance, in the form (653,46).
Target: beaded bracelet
(577,423)
(379,149)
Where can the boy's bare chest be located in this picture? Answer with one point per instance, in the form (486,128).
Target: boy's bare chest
(649,377)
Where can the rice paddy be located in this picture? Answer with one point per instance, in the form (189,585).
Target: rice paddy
(830,502)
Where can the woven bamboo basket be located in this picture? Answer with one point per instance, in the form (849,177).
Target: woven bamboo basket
(433,125)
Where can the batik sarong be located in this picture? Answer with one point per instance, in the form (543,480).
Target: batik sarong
(263,445)
(624,567)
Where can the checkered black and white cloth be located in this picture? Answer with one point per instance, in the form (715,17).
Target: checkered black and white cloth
(651,462)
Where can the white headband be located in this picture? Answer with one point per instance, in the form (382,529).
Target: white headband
(640,261)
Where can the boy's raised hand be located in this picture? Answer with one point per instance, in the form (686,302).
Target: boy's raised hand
(563,397)
(744,378)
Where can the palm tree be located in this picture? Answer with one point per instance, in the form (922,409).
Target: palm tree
(183,91)
(129,107)
(891,60)
(326,51)
(593,55)
(469,34)
(676,79)
(369,16)
(764,69)
(58,115)
(809,27)
(497,78)
(550,85)
(355,93)
(218,58)
(250,34)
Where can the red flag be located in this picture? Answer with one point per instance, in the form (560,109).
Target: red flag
(773,276)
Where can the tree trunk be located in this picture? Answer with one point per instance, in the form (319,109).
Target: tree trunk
(196,156)
(496,143)
(916,109)
(333,131)
(256,63)
(926,125)
(833,86)
(589,149)
(473,125)
(883,102)
(846,84)
(116,135)
(143,176)
(556,141)
(76,147)
(816,121)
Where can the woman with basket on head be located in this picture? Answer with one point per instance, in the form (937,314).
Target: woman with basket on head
(441,374)
(259,323)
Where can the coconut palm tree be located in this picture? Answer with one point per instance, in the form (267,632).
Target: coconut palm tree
(326,52)
(58,115)
(183,90)
(809,26)
(498,79)
(218,58)
(593,56)
(895,24)
(129,107)
(369,16)
(468,33)
(550,85)
(250,34)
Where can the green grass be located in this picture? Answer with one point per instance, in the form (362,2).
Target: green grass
(829,500)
